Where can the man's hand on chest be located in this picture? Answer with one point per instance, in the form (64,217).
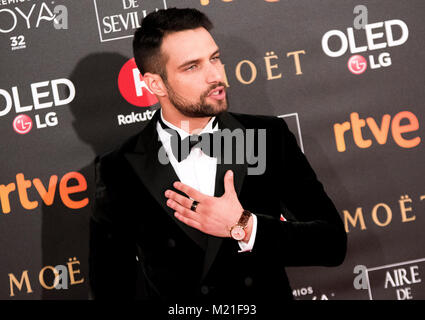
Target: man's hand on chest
(213,215)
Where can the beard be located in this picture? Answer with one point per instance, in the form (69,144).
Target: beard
(201,108)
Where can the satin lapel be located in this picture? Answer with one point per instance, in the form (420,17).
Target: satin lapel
(157,177)
(226,120)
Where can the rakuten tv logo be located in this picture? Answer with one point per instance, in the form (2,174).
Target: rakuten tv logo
(135,91)
(132,86)
(379,35)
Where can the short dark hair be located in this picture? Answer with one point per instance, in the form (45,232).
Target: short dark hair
(155,26)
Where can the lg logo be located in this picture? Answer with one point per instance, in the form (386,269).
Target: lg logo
(357,64)
(22,124)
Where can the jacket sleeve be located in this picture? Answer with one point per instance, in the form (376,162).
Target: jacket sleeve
(315,236)
(112,257)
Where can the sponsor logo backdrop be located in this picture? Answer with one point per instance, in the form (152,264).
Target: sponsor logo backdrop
(347,77)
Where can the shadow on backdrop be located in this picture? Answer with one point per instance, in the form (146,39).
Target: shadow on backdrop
(65,232)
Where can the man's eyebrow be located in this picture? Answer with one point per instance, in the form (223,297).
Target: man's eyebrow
(196,60)
(215,52)
(188,63)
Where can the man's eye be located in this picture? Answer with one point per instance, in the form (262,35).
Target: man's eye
(192,67)
(216,58)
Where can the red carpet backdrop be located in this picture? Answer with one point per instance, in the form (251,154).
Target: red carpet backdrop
(347,76)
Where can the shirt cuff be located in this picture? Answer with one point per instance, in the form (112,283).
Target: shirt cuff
(248,246)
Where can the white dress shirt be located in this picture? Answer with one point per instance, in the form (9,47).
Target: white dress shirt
(198,170)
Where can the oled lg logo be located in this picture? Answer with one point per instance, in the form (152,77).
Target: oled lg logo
(44,94)
(136,92)
(368,37)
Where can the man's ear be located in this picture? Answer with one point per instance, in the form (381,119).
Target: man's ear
(155,84)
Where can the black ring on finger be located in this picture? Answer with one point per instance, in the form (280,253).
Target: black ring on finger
(194,205)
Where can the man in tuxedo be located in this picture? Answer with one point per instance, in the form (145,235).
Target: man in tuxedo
(196,226)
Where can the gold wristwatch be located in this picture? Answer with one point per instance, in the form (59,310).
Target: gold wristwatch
(237,232)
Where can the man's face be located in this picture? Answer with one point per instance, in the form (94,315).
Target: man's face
(195,74)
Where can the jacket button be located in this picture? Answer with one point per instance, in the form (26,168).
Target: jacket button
(248,281)
(171,243)
(205,289)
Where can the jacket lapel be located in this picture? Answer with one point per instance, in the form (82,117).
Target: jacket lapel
(225,120)
(158,177)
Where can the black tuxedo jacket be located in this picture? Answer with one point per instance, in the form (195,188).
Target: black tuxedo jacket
(139,250)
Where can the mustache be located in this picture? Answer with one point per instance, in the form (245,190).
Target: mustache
(212,87)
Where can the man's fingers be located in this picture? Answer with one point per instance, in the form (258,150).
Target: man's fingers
(190,222)
(229,186)
(191,192)
(182,210)
(185,215)
(184,201)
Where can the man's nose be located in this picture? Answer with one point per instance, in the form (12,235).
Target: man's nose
(214,73)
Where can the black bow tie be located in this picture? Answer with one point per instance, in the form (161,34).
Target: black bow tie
(181,148)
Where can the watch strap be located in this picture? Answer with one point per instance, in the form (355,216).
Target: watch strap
(243,221)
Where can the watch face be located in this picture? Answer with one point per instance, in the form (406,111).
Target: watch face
(238,233)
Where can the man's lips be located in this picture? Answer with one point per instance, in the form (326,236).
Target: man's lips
(218,93)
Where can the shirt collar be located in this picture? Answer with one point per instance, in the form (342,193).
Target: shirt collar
(183,134)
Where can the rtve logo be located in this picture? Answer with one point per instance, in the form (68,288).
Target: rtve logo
(403,122)
(71,183)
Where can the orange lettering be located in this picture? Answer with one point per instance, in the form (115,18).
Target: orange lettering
(4,196)
(19,284)
(66,190)
(23,185)
(398,129)
(340,129)
(47,196)
(41,277)
(357,125)
(381,134)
